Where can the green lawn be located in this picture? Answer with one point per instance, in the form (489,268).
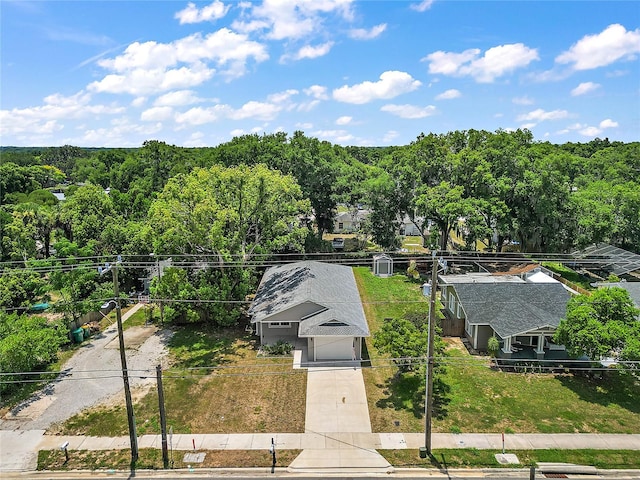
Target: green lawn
(477,398)
(472,457)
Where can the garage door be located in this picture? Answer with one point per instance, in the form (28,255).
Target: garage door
(334,348)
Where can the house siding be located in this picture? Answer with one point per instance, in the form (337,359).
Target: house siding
(272,335)
(484,333)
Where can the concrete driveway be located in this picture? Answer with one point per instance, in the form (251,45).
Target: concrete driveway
(337,411)
(336,401)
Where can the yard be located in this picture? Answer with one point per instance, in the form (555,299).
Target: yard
(216,384)
(480,399)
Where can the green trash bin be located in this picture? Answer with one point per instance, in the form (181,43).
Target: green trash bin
(86,332)
(78,335)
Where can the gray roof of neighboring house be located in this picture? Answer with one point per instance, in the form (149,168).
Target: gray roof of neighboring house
(610,258)
(513,308)
(331,286)
(632,287)
(351,216)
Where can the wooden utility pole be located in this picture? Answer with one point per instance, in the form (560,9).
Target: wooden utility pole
(133,437)
(163,418)
(428,401)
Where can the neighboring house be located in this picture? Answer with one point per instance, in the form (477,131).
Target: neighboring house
(408,228)
(632,287)
(522,314)
(603,259)
(350,222)
(314,301)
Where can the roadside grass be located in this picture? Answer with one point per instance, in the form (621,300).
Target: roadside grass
(151,459)
(216,384)
(471,457)
(569,274)
(478,398)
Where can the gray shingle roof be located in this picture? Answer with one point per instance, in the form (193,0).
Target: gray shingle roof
(331,286)
(513,308)
(610,258)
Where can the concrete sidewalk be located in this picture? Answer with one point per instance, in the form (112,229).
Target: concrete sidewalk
(341,441)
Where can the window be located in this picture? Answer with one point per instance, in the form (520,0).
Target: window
(280,324)
(340,225)
(444,294)
(452,303)
(459,310)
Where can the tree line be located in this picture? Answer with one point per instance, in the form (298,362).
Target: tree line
(274,193)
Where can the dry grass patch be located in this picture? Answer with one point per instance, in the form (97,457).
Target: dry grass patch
(216,384)
(151,459)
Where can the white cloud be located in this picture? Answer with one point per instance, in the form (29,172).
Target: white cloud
(138,102)
(253,109)
(527,126)
(523,100)
(583,88)
(590,131)
(57,108)
(423,6)
(390,85)
(390,135)
(304,125)
(177,98)
(540,115)
(307,106)
(200,116)
(449,63)
(337,136)
(592,51)
(291,19)
(409,111)
(282,97)
(449,94)
(344,120)
(149,67)
(196,139)
(156,114)
(237,132)
(140,82)
(608,123)
(317,91)
(308,51)
(192,14)
(364,34)
(496,62)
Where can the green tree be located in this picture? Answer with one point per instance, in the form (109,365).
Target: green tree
(20,288)
(229,211)
(27,343)
(604,324)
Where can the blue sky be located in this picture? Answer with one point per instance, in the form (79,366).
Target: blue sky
(117,73)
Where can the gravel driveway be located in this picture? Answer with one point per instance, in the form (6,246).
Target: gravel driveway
(92,376)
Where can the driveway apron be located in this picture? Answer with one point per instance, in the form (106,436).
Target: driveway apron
(337,405)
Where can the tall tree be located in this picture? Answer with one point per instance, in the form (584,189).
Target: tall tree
(604,324)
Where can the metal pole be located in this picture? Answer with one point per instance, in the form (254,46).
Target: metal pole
(428,401)
(125,376)
(163,418)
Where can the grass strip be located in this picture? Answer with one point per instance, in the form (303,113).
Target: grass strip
(473,457)
(151,459)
